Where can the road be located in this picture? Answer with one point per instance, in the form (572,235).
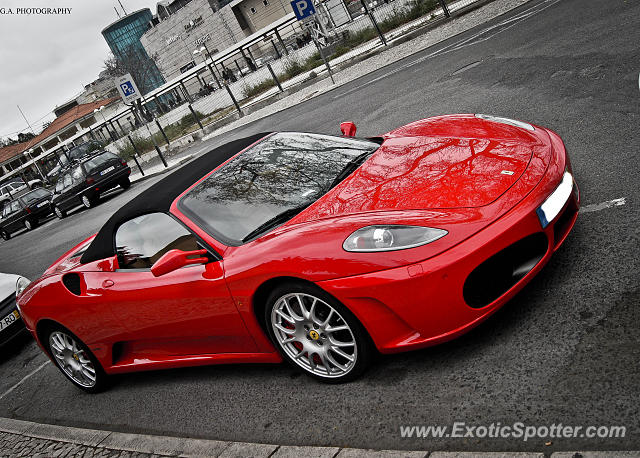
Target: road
(565,350)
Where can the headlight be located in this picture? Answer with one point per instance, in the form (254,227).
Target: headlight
(511,122)
(554,203)
(21,285)
(391,237)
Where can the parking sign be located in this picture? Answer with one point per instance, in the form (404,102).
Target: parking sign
(303,8)
(127,89)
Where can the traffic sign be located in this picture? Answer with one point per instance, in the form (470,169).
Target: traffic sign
(303,8)
(127,89)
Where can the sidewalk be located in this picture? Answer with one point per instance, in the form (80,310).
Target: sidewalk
(26,439)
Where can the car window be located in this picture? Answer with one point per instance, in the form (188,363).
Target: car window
(77,175)
(141,241)
(6,210)
(15,206)
(67,180)
(59,185)
(34,195)
(93,164)
(281,173)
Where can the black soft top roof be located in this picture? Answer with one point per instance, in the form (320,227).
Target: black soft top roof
(160,196)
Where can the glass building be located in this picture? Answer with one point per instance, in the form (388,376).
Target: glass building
(123,37)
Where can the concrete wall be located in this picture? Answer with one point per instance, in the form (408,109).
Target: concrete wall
(172,44)
(264,14)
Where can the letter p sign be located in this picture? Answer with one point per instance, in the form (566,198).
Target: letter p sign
(303,8)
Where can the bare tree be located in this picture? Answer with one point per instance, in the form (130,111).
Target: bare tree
(142,69)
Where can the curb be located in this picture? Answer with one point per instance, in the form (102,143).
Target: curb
(98,442)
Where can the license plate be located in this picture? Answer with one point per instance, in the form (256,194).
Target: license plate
(42,204)
(9,319)
(105,171)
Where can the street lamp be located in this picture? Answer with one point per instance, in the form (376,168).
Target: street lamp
(99,110)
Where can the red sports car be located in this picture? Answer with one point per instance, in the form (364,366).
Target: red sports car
(315,249)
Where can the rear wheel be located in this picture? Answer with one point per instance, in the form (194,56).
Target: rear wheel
(89,202)
(30,224)
(5,234)
(76,361)
(317,333)
(59,212)
(125,183)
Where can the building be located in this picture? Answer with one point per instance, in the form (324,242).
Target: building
(181,27)
(123,37)
(71,121)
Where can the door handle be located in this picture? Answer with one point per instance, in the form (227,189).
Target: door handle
(107,283)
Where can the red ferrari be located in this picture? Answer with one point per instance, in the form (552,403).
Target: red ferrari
(315,249)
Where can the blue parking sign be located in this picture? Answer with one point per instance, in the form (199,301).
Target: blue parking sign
(303,8)
(127,88)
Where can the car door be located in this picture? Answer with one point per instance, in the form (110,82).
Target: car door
(185,312)
(68,198)
(11,216)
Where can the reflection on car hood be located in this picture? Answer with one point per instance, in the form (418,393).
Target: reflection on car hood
(440,163)
(7,285)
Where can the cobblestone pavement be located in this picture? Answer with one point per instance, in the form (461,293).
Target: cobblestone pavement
(16,445)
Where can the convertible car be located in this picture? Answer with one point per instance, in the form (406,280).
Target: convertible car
(315,249)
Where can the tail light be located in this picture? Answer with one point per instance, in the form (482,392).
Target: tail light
(123,162)
(28,210)
(90,180)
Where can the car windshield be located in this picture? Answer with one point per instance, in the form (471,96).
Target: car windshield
(93,164)
(34,195)
(267,184)
(80,151)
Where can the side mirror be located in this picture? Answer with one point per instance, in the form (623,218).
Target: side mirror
(175,259)
(348,129)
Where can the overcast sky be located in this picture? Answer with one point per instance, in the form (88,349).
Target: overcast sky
(45,60)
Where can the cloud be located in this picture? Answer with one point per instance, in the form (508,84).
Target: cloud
(47,59)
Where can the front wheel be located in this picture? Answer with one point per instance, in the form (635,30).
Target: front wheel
(76,361)
(317,333)
(5,234)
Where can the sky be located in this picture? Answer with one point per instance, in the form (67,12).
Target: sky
(46,59)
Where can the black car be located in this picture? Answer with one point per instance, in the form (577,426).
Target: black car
(11,324)
(25,211)
(84,181)
(90,148)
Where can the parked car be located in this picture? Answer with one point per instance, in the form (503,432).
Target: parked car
(83,182)
(10,189)
(11,324)
(315,249)
(25,211)
(90,148)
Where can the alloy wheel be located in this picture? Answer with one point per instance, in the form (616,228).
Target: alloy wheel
(58,212)
(314,335)
(86,201)
(28,225)
(72,358)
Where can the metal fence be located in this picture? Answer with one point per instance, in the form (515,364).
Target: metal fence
(280,59)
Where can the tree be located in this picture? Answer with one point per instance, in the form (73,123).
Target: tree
(135,62)
(142,69)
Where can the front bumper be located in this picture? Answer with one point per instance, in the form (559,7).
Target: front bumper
(14,329)
(426,303)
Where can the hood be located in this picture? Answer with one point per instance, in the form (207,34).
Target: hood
(7,285)
(447,162)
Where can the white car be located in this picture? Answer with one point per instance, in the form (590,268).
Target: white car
(8,190)
(10,322)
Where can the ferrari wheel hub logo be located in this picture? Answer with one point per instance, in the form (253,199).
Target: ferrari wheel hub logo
(314,335)
(75,356)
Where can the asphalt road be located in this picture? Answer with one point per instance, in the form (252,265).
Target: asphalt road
(564,350)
